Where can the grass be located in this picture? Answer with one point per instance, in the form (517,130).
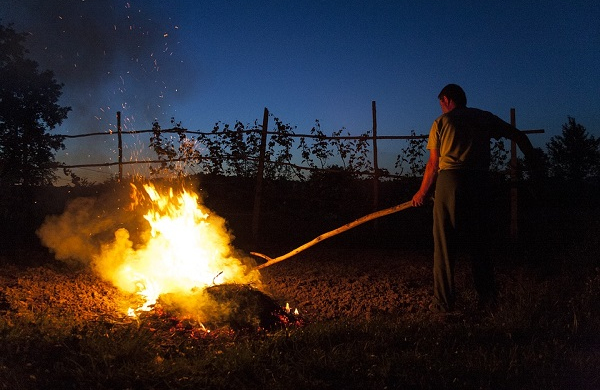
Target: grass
(543,336)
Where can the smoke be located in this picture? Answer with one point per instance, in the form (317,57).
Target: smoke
(111,56)
(71,236)
(88,224)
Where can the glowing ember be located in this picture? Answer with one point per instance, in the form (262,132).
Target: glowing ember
(184,249)
(288,309)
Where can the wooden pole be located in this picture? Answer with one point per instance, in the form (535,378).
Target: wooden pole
(259,178)
(375,161)
(120,142)
(324,236)
(514,222)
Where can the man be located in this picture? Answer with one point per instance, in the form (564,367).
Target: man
(459,159)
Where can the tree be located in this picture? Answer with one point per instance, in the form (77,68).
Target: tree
(574,155)
(28,111)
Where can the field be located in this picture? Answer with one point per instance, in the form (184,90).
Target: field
(362,300)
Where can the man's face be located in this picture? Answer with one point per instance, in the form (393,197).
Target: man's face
(446,104)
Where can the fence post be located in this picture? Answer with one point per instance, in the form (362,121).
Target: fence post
(514,220)
(375,162)
(120,145)
(259,178)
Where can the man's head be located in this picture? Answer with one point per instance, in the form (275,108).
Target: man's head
(452,96)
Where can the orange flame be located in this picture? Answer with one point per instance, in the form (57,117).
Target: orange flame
(184,248)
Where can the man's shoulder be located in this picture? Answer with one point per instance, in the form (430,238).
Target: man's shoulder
(472,111)
(473,115)
(466,115)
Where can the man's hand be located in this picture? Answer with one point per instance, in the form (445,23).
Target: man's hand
(431,170)
(418,199)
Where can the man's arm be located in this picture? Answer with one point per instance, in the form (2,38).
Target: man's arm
(431,171)
(524,144)
(506,130)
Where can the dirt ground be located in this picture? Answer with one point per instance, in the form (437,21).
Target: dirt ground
(323,283)
(328,283)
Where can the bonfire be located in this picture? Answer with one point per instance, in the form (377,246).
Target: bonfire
(178,259)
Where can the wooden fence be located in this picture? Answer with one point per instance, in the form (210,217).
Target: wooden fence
(376,173)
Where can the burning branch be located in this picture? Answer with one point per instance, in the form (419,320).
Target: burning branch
(324,236)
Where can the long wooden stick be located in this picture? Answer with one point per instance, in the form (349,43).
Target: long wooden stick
(324,236)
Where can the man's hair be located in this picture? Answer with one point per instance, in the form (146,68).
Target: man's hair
(455,93)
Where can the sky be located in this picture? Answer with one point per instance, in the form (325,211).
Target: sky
(202,62)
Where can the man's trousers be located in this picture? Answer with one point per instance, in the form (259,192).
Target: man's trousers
(461,223)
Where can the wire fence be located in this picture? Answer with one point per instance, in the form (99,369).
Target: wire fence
(259,152)
(278,137)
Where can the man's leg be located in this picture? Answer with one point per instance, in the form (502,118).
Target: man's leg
(478,230)
(444,235)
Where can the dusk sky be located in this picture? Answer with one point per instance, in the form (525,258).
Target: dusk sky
(207,61)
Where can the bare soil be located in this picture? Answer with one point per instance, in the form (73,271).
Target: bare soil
(323,283)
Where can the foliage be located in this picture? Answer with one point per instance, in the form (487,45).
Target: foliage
(279,154)
(351,153)
(231,151)
(227,151)
(319,149)
(77,180)
(243,149)
(28,111)
(236,151)
(412,155)
(174,157)
(575,154)
(216,152)
(499,156)
(354,153)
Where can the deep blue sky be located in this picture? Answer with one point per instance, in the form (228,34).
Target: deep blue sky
(208,61)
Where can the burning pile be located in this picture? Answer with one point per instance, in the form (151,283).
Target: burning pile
(177,251)
(185,248)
